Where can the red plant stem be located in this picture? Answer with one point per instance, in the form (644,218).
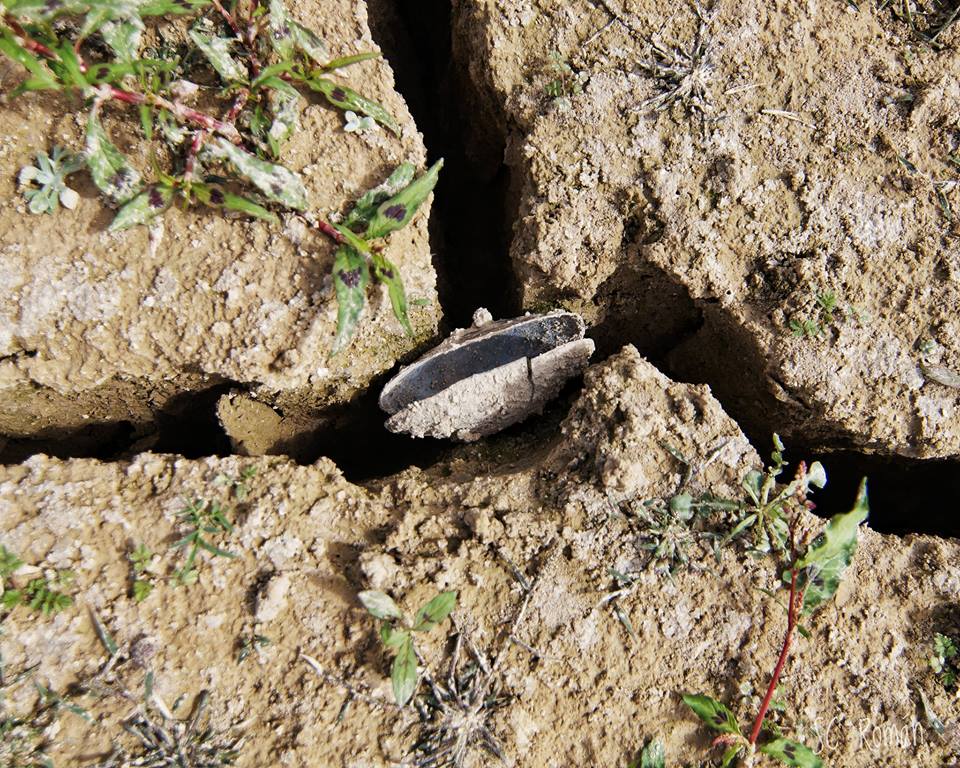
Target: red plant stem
(330,232)
(202,135)
(28,42)
(227,130)
(781,662)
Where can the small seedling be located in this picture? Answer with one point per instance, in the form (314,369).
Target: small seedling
(813,580)
(381,211)
(397,631)
(240,484)
(826,307)
(142,583)
(250,644)
(944,661)
(40,594)
(44,184)
(205,519)
(564,82)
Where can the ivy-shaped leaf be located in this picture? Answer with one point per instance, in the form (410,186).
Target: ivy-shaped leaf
(110,170)
(149,204)
(217,52)
(276,182)
(350,279)
(792,753)
(830,553)
(359,218)
(346,98)
(397,211)
(404,672)
(435,611)
(713,713)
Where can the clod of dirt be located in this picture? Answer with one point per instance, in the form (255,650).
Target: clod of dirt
(98,328)
(482,379)
(788,174)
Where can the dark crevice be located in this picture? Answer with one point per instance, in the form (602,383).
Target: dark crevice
(471,229)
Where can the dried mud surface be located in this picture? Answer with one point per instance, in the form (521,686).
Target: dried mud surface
(99,327)
(808,153)
(577,691)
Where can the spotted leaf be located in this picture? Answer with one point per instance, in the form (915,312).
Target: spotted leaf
(830,553)
(216,197)
(346,98)
(277,183)
(110,170)
(308,42)
(435,611)
(285,105)
(792,753)
(359,218)
(397,211)
(217,52)
(281,32)
(350,278)
(149,204)
(713,713)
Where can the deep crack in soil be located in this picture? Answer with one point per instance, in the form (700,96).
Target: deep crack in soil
(471,225)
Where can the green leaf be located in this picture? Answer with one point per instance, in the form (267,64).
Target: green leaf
(379,604)
(393,638)
(404,672)
(217,52)
(346,98)
(149,204)
(792,753)
(11,598)
(237,203)
(67,67)
(41,77)
(346,61)
(274,181)
(285,105)
(141,590)
(435,611)
(281,34)
(111,73)
(215,551)
(123,38)
(397,211)
(730,755)
(652,756)
(308,42)
(359,218)
(166,7)
(831,552)
(9,562)
(713,713)
(350,278)
(111,172)
(102,634)
(385,272)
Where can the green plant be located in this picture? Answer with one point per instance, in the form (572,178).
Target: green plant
(944,661)
(166,742)
(769,503)
(142,583)
(826,307)
(258,60)
(44,184)
(813,579)
(240,485)
(397,631)
(203,518)
(250,644)
(564,82)
(40,594)
(379,212)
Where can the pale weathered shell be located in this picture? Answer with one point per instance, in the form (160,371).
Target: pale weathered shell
(485,378)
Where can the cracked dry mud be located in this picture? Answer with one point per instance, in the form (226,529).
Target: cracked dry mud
(695,234)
